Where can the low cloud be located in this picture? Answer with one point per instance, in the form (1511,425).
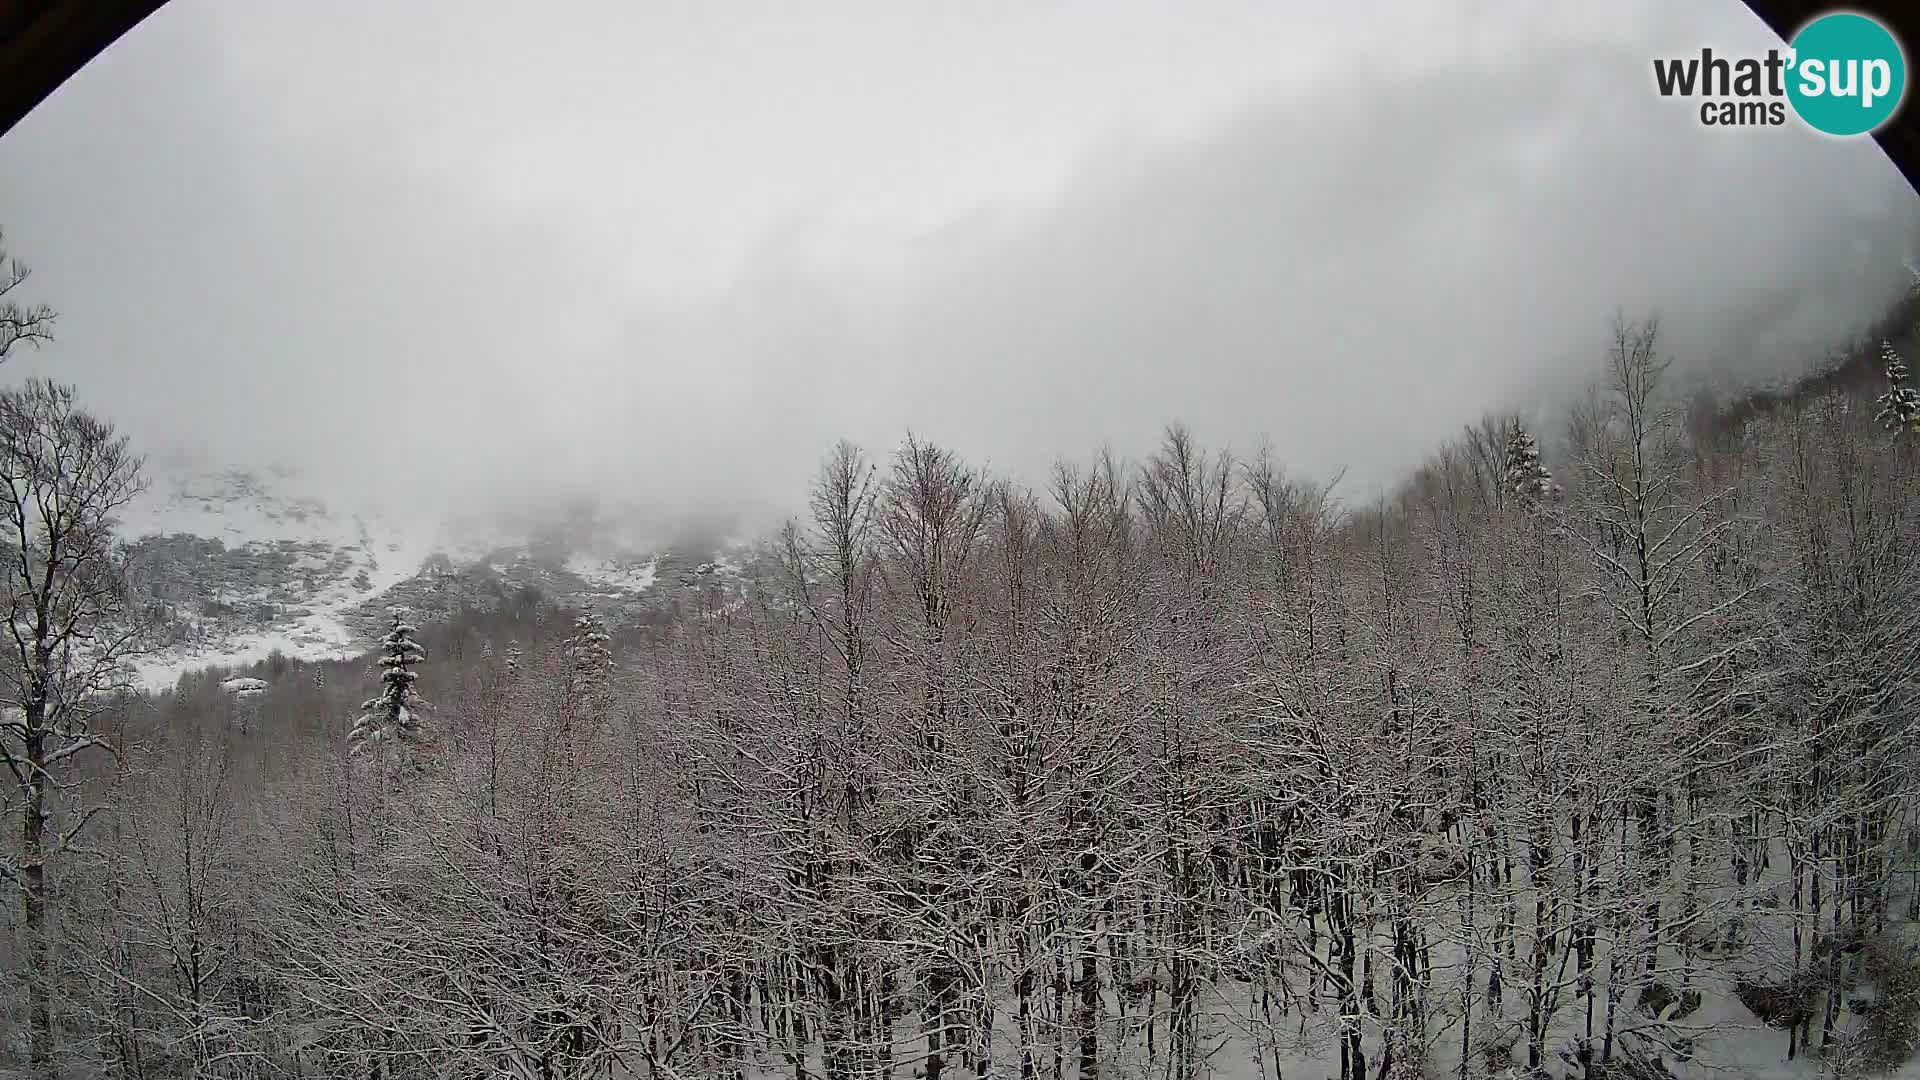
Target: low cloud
(1352,264)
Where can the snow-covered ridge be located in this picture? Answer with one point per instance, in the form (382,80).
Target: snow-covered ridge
(234,564)
(616,575)
(285,573)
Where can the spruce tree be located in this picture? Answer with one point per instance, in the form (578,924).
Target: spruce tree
(395,716)
(589,663)
(588,649)
(1526,476)
(1900,405)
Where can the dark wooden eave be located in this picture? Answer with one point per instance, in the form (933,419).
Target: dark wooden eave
(43,42)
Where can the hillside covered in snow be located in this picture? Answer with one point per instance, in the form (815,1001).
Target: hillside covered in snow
(231,565)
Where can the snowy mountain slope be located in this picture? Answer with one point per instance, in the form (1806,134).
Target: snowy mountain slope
(236,564)
(233,564)
(617,575)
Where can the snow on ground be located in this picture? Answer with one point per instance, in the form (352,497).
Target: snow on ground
(241,508)
(382,546)
(614,574)
(161,670)
(320,634)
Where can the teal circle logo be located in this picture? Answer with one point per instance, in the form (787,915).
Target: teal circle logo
(1847,74)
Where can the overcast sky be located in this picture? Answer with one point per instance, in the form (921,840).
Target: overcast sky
(673,250)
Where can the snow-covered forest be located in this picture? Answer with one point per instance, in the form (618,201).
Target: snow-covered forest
(879,540)
(1586,753)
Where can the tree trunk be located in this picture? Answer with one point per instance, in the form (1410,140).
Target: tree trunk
(33,895)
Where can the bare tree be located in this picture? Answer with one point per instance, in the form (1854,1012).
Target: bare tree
(1487,444)
(19,322)
(67,473)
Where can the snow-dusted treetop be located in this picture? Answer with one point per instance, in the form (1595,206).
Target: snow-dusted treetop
(1900,405)
(1527,476)
(395,715)
(588,647)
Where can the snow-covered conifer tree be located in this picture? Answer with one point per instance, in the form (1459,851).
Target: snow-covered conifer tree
(588,650)
(395,715)
(1900,405)
(1527,476)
